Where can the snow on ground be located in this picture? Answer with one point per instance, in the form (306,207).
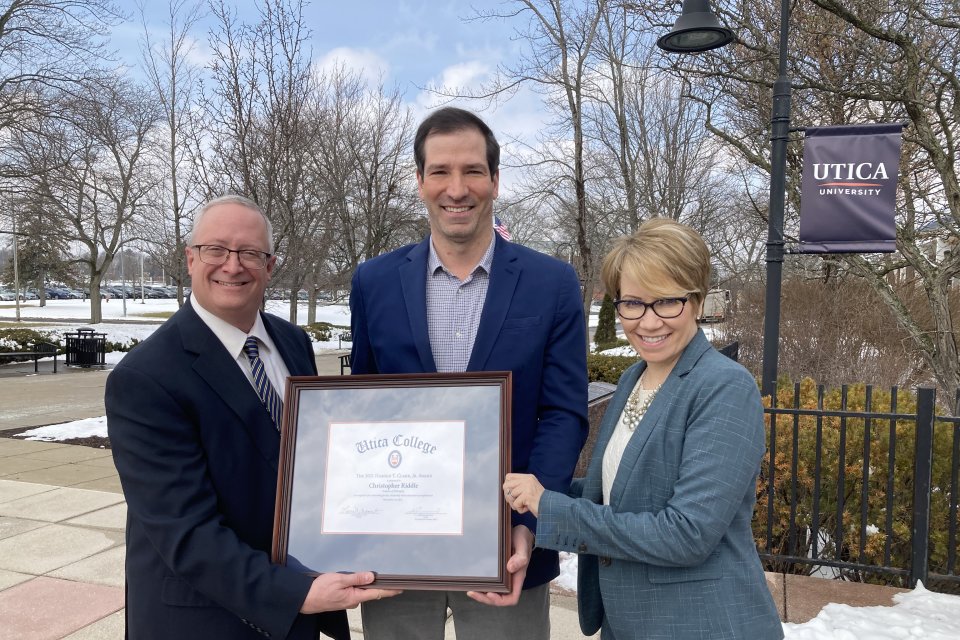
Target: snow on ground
(136,311)
(66,316)
(68,430)
(568,572)
(917,614)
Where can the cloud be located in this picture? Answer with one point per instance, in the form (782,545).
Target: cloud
(466,75)
(406,41)
(368,63)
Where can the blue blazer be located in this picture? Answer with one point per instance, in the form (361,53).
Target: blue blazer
(197,455)
(672,556)
(532,324)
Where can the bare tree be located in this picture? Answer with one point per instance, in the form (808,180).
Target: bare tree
(173,79)
(47,48)
(364,163)
(561,35)
(88,167)
(49,45)
(261,133)
(856,62)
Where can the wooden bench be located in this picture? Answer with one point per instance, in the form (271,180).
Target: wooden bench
(39,350)
(344,362)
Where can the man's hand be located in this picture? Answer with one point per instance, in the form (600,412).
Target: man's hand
(522,492)
(334,591)
(516,566)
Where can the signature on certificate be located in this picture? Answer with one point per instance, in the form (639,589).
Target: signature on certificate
(423,513)
(358,511)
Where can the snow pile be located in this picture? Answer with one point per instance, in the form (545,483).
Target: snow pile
(68,430)
(915,614)
(918,614)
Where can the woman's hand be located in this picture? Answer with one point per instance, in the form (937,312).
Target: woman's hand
(522,492)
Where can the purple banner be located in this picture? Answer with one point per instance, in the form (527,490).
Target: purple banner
(849,188)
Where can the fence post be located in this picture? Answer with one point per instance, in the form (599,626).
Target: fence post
(922,474)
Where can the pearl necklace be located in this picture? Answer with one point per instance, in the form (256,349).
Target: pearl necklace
(634,409)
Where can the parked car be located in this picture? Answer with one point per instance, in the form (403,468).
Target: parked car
(56,293)
(7,296)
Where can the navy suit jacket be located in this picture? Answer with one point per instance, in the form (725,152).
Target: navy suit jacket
(532,324)
(197,454)
(672,555)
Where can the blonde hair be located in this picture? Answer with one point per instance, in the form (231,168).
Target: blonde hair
(662,255)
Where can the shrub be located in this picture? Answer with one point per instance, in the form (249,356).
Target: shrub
(602,368)
(836,332)
(124,346)
(319,331)
(606,333)
(852,432)
(613,344)
(23,339)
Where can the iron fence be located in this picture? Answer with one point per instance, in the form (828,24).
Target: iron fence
(859,493)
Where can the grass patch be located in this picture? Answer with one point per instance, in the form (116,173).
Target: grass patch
(162,315)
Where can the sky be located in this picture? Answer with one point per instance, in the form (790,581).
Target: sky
(411,44)
(918,614)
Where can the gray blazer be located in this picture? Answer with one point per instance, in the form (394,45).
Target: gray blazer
(672,556)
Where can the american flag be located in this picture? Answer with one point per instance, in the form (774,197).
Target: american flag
(501,229)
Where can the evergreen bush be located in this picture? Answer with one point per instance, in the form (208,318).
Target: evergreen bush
(606,333)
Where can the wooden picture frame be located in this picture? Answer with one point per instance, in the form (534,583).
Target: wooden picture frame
(397,474)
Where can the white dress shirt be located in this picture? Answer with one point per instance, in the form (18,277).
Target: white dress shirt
(233,340)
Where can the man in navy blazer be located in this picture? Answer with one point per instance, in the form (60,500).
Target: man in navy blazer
(464,299)
(197,453)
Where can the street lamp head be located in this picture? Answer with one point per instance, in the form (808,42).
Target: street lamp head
(697,29)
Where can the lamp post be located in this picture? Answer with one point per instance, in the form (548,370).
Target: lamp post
(698,29)
(16,267)
(780,130)
(123,279)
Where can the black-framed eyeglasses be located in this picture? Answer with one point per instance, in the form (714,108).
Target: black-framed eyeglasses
(665,308)
(216,255)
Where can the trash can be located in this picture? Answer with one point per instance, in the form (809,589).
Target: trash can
(86,348)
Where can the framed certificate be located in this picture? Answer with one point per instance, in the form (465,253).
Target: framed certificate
(397,474)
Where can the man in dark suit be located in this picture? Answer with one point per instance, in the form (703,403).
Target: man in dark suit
(464,299)
(193,415)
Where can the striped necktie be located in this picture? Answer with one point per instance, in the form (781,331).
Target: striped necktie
(271,400)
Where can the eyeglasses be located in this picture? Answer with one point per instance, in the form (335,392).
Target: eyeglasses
(217,255)
(665,308)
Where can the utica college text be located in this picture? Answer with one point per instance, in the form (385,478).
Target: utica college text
(399,440)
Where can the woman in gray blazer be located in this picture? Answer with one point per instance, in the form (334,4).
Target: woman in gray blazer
(661,522)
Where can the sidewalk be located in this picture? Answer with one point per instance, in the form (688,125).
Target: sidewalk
(62,518)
